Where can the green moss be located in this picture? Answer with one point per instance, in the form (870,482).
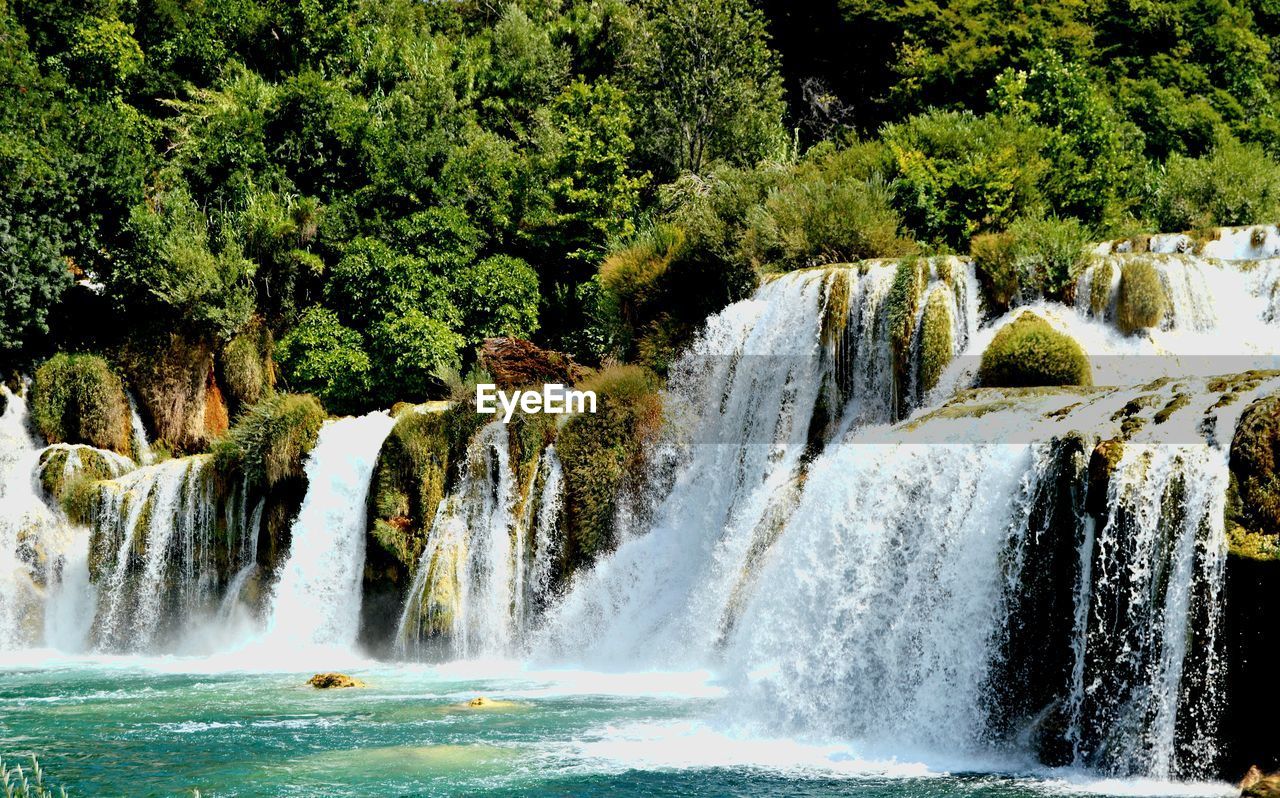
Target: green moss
(1252,545)
(416,466)
(1254,499)
(1029,352)
(1179,401)
(909,282)
(272,438)
(1103,461)
(1142,301)
(599,450)
(936,345)
(58,482)
(996,266)
(245,365)
(1100,287)
(79,399)
(835,305)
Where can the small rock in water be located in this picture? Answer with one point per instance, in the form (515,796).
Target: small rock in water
(481,702)
(1256,785)
(327,681)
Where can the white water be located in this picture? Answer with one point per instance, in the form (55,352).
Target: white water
(316,601)
(485,565)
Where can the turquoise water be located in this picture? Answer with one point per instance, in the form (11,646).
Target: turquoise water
(121,728)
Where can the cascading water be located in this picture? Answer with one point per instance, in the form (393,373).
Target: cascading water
(486,565)
(316,601)
(156,552)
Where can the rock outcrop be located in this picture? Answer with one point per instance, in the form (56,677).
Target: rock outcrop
(333,681)
(514,362)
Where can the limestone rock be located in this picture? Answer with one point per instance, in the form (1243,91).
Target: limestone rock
(1262,786)
(333,681)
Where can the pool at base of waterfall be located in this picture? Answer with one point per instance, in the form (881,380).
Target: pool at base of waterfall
(169,727)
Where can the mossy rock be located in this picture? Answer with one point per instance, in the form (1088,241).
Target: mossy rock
(416,466)
(1028,352)
(1253,501)
(936,345)
(1103,462)
(272,439)
(600,451)
(1265,787)
(905,295)
(333,681)
(79,399)
(1141,302)
(245,366)
(1100,288)
(60,483)
(175,380)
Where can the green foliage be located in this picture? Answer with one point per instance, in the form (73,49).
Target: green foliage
(497,296)
(1141,302)
(1028,352)
(372,280)
(246,367)
(103,54)
(322,357)
(960,174)
(1236,184)
(711,83)
(600,450)
(409,350)
(175,264)
(272,439)
(834,207)
(1034,257)
(79,399)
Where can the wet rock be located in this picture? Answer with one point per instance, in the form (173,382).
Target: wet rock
(333,681)
(1260,786)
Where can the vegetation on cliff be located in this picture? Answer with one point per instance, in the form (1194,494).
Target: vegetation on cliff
(270,441)
(79,399)
(601,451)
(1253,501)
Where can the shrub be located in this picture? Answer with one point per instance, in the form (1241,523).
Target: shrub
(1254,499)
(632,276)
(272,438)
(1236,184)
(1029,352)
(599,450)
(497,296)
(825,213)
(79,399)
(1141,302)
(958,175)
(372,280)
(323,357)
(409,350)
(1036,256)
(246,367)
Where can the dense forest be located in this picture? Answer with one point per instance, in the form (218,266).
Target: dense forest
(355,193)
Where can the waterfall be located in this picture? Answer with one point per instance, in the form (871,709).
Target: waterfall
(138,433)
(769,380)
(44,586)
(156,550)
(316,601)
(485,567)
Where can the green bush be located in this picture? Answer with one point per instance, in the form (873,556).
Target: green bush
(1141,302)
(835,207)
(79,399)
(1236,184)
(272,439)
(1028,352)
(497,296)
(1034,257)
(323,357)
(958,175)
(409,350)
(246,367)
(372,280)
(600,450)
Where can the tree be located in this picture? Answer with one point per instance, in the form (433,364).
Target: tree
(709,85)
